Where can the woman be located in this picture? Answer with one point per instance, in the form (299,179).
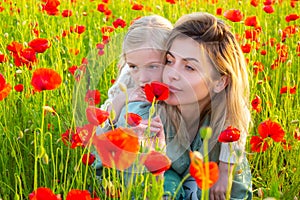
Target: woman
(206,73)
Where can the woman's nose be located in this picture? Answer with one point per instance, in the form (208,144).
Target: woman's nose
(172,73)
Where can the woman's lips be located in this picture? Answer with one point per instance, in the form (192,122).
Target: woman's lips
(173,89)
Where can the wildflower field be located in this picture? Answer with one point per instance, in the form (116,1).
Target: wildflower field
(58,59)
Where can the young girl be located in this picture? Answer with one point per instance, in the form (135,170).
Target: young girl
(206,73)
(142,61)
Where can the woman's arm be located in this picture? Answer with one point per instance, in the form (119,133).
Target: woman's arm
(218,191)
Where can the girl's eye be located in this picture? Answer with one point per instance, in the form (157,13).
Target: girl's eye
(133,67)
(152,66)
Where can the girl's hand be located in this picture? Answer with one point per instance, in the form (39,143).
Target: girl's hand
(136,94)
(156,128)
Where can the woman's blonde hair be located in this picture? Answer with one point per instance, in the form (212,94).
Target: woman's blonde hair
(151,32)
(229,107)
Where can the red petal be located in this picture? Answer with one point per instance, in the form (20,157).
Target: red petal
(96,116)
(156,162)
(133,119)
(233,15)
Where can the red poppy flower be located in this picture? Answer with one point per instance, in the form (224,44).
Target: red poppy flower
(119,22)
(67,13)
(79,194)
(252,35)
(292,17)
(156,162)
(204,180)
(263,52)
(137,6)
(51,7)
(15,47)
(117,148)
(246,48)
(271,129)
(282,51)
(293,3)
(285,89)
(45,79)
(39,45)
(286,146)
(85,134)
(88,159)
(254,3)
(251,21)
(107,29)
(79,29)
(42,193)
(268,9)
(156,91)
(102,7)
(100,46)
(219,11)
(5,88)
(105,39)
(275,64)
(258,144)
(133,119)
(230,134)
(297,134)
(268,2)
(19,87)
(92,97)
(233,15)
(258,67)
(96,116)
(71,138)
(171,1)
(3,58)
(256,104)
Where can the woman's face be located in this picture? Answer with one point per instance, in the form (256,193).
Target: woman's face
(187,72)
(146,65)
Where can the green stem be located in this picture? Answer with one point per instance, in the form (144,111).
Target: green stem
(205,192)
(180,184)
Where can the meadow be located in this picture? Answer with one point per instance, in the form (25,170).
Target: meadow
(79,43)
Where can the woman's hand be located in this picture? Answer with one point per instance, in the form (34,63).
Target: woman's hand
(218,190)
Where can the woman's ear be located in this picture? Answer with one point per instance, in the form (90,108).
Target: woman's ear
(221,83)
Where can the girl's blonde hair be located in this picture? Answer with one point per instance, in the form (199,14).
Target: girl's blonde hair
(229,107)
(146,32)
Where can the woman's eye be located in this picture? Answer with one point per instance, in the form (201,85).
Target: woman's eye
(189,68)
(168,62)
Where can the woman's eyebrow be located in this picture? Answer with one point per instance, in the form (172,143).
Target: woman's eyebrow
(184,59)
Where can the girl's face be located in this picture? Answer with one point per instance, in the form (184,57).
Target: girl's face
(146,65)
(187,72)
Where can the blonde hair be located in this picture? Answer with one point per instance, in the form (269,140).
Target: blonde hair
(229,107)
(146,32)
